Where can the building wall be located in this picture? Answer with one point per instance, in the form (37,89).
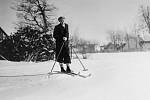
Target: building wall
(146,46)
(132,45)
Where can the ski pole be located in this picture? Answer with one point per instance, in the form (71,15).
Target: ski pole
(58,56)
(3,57)
(84,69)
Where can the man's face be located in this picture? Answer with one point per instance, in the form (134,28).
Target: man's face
(61,20)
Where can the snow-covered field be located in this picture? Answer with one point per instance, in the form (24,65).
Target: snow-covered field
(115,76)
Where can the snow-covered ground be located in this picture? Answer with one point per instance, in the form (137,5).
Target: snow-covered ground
(115,76)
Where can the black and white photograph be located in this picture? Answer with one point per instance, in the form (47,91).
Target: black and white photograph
(74,49)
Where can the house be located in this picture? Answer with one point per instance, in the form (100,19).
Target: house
(98,48)
(138,43)
(133,43)
(3,35)
(110,47)
(145,43)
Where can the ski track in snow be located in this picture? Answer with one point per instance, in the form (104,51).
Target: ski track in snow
(115,76)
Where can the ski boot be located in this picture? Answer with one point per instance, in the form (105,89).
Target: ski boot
(68,70)
(62,70)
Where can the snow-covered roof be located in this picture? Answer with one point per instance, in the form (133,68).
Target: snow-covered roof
(146,37)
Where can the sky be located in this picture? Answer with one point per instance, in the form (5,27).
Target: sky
(90,18)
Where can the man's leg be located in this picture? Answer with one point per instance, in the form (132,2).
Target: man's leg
(68,70)
(67,59)
(62,68)
(60,59)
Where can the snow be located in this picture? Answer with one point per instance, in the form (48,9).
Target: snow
(115,76)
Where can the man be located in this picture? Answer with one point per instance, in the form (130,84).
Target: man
(61,35)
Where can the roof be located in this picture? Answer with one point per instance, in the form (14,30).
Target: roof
(3,34)
(1,30)
(146,37)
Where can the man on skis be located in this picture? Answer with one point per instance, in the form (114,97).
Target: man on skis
(61,35)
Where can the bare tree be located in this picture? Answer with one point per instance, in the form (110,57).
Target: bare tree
(36,13)
(138,30)
(116,37)
(145,13)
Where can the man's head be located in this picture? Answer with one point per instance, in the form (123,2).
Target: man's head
(61,19)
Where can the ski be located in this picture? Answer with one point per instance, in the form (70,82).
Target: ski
(81,75)
(71,74)
(58,72)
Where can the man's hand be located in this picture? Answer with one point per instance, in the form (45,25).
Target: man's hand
(65,38)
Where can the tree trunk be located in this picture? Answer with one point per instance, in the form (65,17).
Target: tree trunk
(44,22)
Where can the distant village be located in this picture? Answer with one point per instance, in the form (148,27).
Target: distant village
(133,44)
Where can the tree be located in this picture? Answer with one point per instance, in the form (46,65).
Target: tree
(35,13)
(31,46)
(27,44)
(116,38)
(145,13)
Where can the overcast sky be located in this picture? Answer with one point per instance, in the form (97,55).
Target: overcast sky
(92,18)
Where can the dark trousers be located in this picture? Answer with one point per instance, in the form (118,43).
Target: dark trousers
(64,56)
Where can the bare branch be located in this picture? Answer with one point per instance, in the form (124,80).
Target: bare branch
(38,12)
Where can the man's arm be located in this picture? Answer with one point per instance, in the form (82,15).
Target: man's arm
(67,32)
(55,35)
